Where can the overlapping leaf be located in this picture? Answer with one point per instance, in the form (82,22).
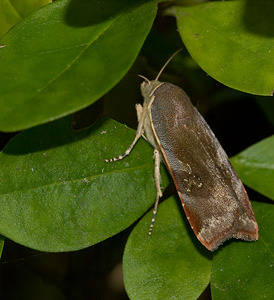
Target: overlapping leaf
(12,12)
(255,166)
(169,264)
(59,194)
(244,270)
(66,55)
(232,41)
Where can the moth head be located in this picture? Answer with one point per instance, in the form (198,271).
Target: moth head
(147,87)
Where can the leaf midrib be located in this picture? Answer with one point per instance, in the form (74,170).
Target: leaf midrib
(90,178)
(111,22)
(260,166)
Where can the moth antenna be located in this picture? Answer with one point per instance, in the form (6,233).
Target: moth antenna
(168,61)
(147,80)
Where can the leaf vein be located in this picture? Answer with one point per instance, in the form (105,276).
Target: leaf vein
(93,177)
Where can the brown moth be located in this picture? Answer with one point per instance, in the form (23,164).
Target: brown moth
(213,197)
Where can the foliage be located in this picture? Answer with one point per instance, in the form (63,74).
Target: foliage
(56,191)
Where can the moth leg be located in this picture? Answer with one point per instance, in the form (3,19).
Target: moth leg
(141,114)
(144,137)
(139,110)
(159,194)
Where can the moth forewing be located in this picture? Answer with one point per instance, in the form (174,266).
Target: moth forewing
(213,197)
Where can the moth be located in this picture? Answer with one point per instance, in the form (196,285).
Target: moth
(212,195)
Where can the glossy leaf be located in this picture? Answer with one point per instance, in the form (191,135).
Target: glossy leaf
(59,194)
(255,166)
(244,270)
(169,263)
(232,41)
(13,11)
(66,55)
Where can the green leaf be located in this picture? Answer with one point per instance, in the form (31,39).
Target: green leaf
(255,166)
(169,263)
(2,242)
(59,194)
(13,11)
(244,270)
(66,55)
(232,41)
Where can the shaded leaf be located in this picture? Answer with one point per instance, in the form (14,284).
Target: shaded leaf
(255,166)
(244,270)
(2,242)
(169,263)
(232,41)
(66,55)
(267,106)
(13,11)
(58,193)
